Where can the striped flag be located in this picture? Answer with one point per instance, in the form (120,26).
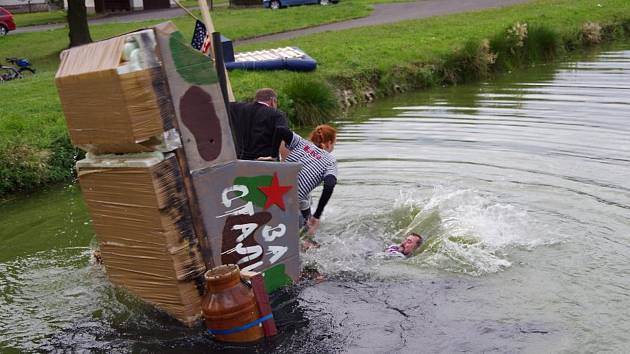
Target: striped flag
(201,38)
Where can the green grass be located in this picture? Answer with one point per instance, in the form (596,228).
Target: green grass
(34,146)
(44,47)
(414,54)
(384,59)
(195,3)
(379,48)
(40,18)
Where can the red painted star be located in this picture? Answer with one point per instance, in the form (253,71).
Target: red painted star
(275,192)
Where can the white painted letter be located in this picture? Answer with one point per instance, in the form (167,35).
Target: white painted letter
(253,252)
(277,251)
(235,188)
(271,233)
(246,230)
(247,209)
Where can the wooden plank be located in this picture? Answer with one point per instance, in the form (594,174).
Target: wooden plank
(205,14)
(262,298)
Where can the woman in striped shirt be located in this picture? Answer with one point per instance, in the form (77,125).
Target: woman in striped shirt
(318,166)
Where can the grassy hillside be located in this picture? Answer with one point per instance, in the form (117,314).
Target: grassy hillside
(353,65)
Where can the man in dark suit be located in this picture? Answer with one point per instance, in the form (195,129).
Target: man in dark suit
(254,125)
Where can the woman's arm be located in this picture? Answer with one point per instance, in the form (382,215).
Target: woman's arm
(329,185)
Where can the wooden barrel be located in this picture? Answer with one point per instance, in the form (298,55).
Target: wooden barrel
(229,307)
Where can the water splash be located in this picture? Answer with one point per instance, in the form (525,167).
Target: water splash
(465,231)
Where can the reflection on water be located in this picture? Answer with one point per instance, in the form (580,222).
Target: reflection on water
(519,185)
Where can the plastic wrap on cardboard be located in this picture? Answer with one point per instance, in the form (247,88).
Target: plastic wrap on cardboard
(250,211)
(166,142)
(200,109)
(112,102)
(141,216)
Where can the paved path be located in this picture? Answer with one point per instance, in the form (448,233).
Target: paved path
(390,13)
(121,18)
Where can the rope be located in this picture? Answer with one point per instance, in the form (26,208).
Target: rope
(221,332)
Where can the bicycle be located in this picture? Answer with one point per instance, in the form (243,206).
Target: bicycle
(21,68)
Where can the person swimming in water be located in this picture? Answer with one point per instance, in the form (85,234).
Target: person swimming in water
(411,243)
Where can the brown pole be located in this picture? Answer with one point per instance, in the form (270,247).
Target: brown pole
(205,15)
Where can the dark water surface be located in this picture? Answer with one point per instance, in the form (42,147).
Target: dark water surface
(521,185)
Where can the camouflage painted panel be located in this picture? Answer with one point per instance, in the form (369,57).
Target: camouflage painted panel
(194,67)
(200,117)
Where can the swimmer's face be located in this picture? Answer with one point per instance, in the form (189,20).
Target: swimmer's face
(410,244)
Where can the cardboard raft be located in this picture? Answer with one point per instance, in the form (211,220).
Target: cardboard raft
(187,204)
(140,214)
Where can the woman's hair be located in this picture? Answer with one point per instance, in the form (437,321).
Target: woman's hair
(323,134)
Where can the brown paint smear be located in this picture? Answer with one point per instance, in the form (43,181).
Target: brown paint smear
(200,117)
(229,237)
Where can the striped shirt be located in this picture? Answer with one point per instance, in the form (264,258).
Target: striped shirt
(316,164)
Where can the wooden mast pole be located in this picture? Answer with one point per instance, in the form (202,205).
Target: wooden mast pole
(205,15)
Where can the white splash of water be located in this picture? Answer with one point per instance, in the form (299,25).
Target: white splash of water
(465,231)
(476,232)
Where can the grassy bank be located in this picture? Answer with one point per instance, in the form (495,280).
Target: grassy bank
(354,65)
(39,18)
(448,49)
(34,145)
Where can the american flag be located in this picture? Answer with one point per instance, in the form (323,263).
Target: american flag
(200,39)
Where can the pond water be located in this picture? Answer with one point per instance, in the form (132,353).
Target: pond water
(520,185)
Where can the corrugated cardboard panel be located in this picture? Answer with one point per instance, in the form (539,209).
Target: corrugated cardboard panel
(105,107)
(95,108)
(97,56)
(147,111)
(145,233)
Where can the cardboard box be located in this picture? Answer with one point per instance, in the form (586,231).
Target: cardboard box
(143,224)
(108,100)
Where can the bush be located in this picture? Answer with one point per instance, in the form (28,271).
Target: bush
(542,44)
(521,45)
(469,63)
(309,102)
(591,33)
(25,167)
(62,160)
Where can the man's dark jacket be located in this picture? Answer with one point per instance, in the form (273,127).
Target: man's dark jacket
(254,125)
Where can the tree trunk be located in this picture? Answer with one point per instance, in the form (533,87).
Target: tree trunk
(77,22)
